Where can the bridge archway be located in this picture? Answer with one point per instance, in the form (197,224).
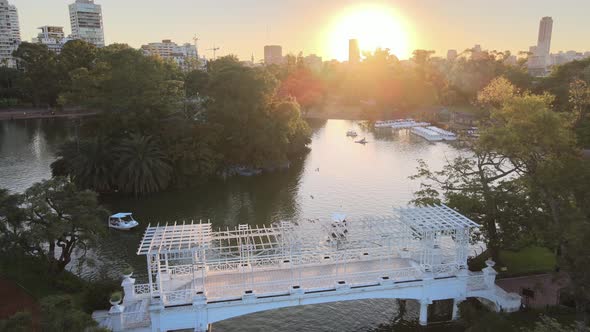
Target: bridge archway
(227,315)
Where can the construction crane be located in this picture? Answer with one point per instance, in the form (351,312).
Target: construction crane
(214,49)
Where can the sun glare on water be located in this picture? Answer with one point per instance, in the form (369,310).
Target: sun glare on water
(373,27)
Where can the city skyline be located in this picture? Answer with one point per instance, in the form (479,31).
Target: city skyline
(244,29)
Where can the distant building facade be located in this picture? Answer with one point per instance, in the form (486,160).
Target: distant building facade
(273,55)
(86,21)
(313,62)
(354,51)
(9,33)
(185,55)
(51,36)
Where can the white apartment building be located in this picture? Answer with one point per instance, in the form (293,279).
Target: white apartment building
(86,20)
(9,33)
(185,55)
(51,36)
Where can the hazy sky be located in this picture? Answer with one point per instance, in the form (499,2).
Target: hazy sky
(243,27)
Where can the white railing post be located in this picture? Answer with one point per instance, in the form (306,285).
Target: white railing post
(202,317)
(116,315)
(489,274)
(156,308)
(128,285)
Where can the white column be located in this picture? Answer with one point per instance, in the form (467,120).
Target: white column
(423,312)
(156,308)
(202,314)
(489,274)
(128,289)
(456,308)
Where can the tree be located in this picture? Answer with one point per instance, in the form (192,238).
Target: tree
(89,163)
(123,79)
(195,83)
(579,99)
(141,165)
(76,54)
(60,313)
(40,80)
(60,220)
(11,220)
(495,94)
(479,186)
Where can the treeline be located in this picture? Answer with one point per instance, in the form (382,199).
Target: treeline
(422,82)
(160,127)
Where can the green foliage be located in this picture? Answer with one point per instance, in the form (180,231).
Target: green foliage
(10,90)
(19,322)
(40,80)
(548,324)
(116,296)
(52,220)
(96,295)
(141,165)
(123,79)
(183,133)
(61,313)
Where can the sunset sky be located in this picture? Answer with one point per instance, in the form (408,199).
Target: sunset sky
(243,27)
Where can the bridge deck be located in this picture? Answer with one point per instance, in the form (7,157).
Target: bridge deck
(279,280)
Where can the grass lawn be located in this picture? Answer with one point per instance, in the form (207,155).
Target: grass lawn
(529,260)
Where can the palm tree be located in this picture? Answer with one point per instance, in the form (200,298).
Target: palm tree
(141,165)
(89,163)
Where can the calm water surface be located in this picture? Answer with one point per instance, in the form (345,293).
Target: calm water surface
(337,175)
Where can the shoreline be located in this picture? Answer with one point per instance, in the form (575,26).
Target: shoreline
(35,113)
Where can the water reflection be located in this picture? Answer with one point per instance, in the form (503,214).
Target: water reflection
(27,148)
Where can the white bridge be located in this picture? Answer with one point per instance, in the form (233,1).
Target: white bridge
(197,276)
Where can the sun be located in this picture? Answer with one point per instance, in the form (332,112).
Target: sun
(373,26)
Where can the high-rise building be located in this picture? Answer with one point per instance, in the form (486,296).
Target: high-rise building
(273,55)
(9,33)
(354,52)
(86,20)
(540,59)
(544,40)
(52,36)
(184,55)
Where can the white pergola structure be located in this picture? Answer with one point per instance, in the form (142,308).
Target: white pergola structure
(417,240)
(227,273)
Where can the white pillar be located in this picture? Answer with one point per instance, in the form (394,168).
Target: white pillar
(423,312)
(200,306)
(489,274)
(456,308)
(128,289)
(156,307)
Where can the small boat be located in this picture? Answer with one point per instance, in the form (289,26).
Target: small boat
(363,141)
(351,133)
(122,221)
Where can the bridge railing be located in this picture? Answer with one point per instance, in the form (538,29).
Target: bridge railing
(325,282)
